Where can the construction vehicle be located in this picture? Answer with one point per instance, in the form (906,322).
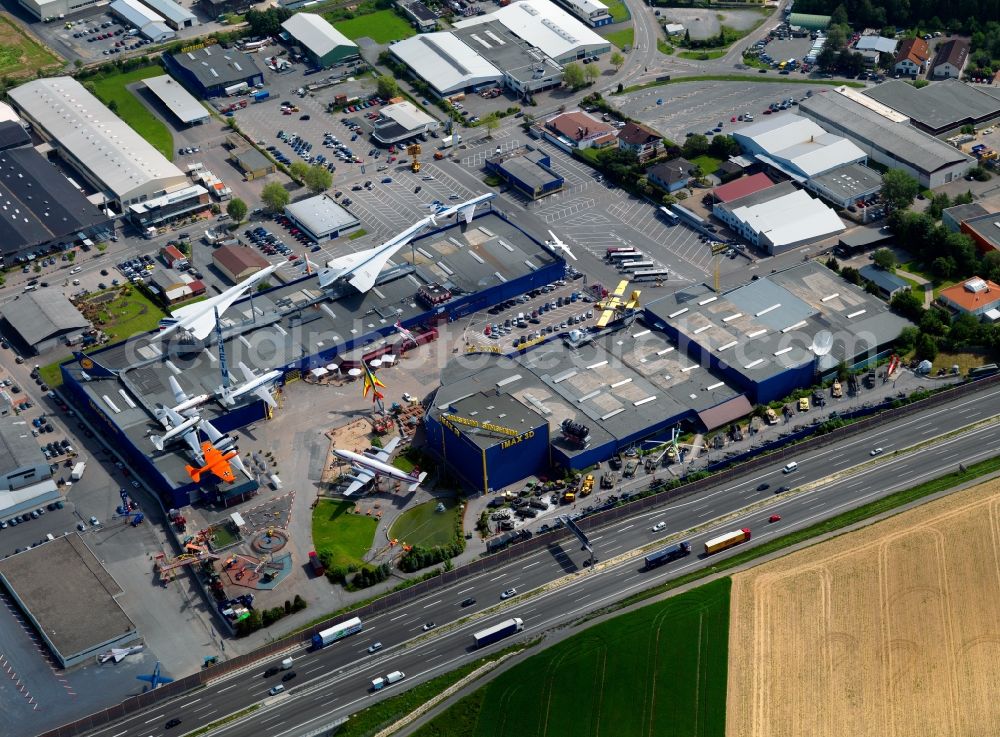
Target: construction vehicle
(569,496)
(608,480)
(414,151)
(772,416)
(837,390)
(588,485)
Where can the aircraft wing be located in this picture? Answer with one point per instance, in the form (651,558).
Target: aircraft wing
(168,418)
(359,480)
(237,463)
(382,454)
(364,278)
(263,393)
(175,387)
(191,438)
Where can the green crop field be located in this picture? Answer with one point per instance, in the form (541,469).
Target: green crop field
(21,55)
(113,87)
(336,528)
(381,27)
(661,670)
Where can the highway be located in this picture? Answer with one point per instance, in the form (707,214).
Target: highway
(335,681)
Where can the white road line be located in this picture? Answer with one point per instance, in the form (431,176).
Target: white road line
(318,667)
(207,706)
(188,703)
(150,721)
(497,577)
(464,590)
(120,734)
(228,687)
(207,713)
(428,606)
(531,564)
(399,617)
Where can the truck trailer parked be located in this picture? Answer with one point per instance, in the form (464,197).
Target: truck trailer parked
(77,473)
(727,540)
(337,632)
(498,631)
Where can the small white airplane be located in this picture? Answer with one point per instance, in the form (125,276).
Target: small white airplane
(176,425)
(366,466)
(559,245)
(198,319)
(118,654)
(185,403)
(252,384)
(407,335)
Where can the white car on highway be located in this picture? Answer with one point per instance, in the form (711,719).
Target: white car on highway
(659,526)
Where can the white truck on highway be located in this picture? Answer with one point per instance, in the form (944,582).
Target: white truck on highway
(395,677)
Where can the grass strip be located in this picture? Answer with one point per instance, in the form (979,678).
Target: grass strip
(735,78)
(220,722)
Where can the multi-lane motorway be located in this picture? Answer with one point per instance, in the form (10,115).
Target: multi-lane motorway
(335,682)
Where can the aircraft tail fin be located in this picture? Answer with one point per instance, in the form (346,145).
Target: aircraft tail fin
(415,485)
(92,367)
(157,441)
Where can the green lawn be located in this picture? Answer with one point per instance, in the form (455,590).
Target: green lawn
(423,525)
(357,234)
(113,88)
(20,55)
(663,47)
(347,535)
(622,38)
(703,55)
(660,670)
(707,163)
(619,13)
(736,78)
(915,267)
(381,27)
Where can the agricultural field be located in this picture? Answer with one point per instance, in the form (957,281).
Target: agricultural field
(659,671)
(113,91)
(891,630)
(381,27)
(21,55)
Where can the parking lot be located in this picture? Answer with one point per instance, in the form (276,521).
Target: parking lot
(678,109)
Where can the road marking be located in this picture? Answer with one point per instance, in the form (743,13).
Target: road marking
(496,577)
(207,706)
(207,713)
(616,547)
(595,539)
(120,734)
(318,667)
(150,721)
(531,564)
(399,617)
(464,590)
(228,687)
(181,706)
(627,527)
(428,606)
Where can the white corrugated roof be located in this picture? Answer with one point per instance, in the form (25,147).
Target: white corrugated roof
(313,32)
(172,11)
(407,115)
(877,43)
(135,12)
(181,102)
(445,61)
(543,25)
(792,218)
(799,143)
(113,152)
(589,7)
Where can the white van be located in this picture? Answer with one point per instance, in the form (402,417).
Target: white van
(31,288)
(275,690)
(76,270)
(789,467)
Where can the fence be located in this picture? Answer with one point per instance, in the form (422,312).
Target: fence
(518,550)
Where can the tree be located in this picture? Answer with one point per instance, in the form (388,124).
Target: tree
(907,339)
(388,87)
(943,267)
(908,305)
(491,122)
(885,259)
(299,169)
(926,347)
(839,16)
(722,147)
(899,189)
(274,196)
(573,76)
(318,179)
(694,146)
(939,202)
(617,60)
(71,256)
(592,72)
(827,59)
(237,209)
(113,106)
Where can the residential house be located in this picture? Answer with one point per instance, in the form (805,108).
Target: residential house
(672,175)
(911,57)
(578,130)
(949,60)
(975,296)
(641,140)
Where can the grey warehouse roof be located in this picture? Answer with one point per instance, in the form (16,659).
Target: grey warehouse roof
(37,203)
(923,152)
(135,13)
(939,106)
(214,65)
(527,169)
(43,314)
(767,326)
(172,11)
(17,445)
(313,32)
(180,102)
(112,152)
(321,214)
(884,279)
(849,181)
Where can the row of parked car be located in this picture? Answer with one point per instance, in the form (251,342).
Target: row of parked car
(266,241)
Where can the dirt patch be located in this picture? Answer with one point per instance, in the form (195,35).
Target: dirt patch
(892,630)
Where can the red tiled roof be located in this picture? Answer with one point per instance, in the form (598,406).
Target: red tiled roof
(577,125)
(742,187)
(972,300)
(914,49)
(636,134)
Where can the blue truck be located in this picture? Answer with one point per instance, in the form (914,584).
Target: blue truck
(666,555)
(261,95)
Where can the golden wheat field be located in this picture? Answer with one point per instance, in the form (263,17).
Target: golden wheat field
(893,630)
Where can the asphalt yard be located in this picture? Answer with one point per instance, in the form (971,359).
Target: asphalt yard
(678,109)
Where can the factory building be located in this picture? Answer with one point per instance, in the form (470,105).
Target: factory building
(149,23)
(212,70)
(322,43)
(42,320)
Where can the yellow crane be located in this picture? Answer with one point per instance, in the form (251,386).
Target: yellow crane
(414,151)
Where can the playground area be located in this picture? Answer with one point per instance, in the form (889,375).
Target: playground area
(264,573)
(345,528)
(428,524)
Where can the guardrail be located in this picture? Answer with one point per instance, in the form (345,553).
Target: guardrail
(496,560)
